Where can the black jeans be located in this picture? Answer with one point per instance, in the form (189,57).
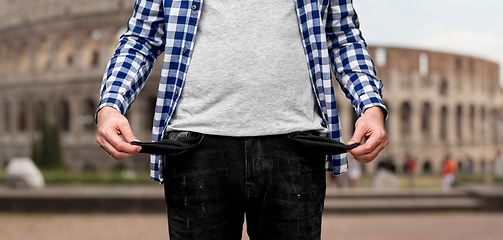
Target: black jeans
(211,187)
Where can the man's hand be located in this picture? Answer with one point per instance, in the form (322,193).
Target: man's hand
(111,124)
(371,127)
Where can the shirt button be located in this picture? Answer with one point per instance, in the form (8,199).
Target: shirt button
(184,50)
(176,92)
(194,7)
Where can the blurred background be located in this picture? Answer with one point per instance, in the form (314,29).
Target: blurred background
(439,62)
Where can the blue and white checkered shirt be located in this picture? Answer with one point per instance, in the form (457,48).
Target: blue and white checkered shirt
(331,37)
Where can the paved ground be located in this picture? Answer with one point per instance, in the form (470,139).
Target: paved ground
(150,199)
(443,226)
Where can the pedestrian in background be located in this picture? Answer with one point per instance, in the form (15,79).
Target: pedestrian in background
(410,169)
(449,173)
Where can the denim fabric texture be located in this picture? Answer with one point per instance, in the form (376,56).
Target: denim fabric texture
(212,187)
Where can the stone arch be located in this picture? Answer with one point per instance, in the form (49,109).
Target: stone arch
(444,115)
(426,118)
(95,58)
(42,55)
(472,120)
(24,58)
(95,48)
(22,118)
(444,87)
(459,122)
(483,123)
(405,119)
(10,66)
(63,115)
(65,54)
(6,116)
(91,51)
(459,64)
(87,115)
(39,113)
(427,167)
(495,125)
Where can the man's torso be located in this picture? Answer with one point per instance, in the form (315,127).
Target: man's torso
(248,75)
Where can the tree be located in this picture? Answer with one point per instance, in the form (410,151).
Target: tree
(47,152)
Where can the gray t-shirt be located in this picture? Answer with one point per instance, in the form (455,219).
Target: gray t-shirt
(248,75)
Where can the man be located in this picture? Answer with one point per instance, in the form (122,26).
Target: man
(410,169)
(449,174)
(242,80)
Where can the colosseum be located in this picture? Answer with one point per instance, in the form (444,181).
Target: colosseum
(53,54)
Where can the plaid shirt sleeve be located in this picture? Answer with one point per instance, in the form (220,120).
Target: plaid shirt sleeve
(138,49)
(351,62)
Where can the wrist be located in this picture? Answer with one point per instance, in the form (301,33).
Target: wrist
(375,111)
(105,113)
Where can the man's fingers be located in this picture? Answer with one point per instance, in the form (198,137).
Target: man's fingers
(114,152)
(369,125)
(367,147)
(126,132)
(112,125)
(113,137)
(121,146)
(364,152)
(372,147)
(110,140)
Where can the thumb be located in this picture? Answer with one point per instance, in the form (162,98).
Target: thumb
(127,133)
(357,136)
(129,137)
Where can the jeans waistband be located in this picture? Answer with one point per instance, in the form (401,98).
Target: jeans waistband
(174,135)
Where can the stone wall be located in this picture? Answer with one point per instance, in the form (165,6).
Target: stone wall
(439,104)
(52,59)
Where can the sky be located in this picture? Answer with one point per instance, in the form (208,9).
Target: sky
(469,27)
